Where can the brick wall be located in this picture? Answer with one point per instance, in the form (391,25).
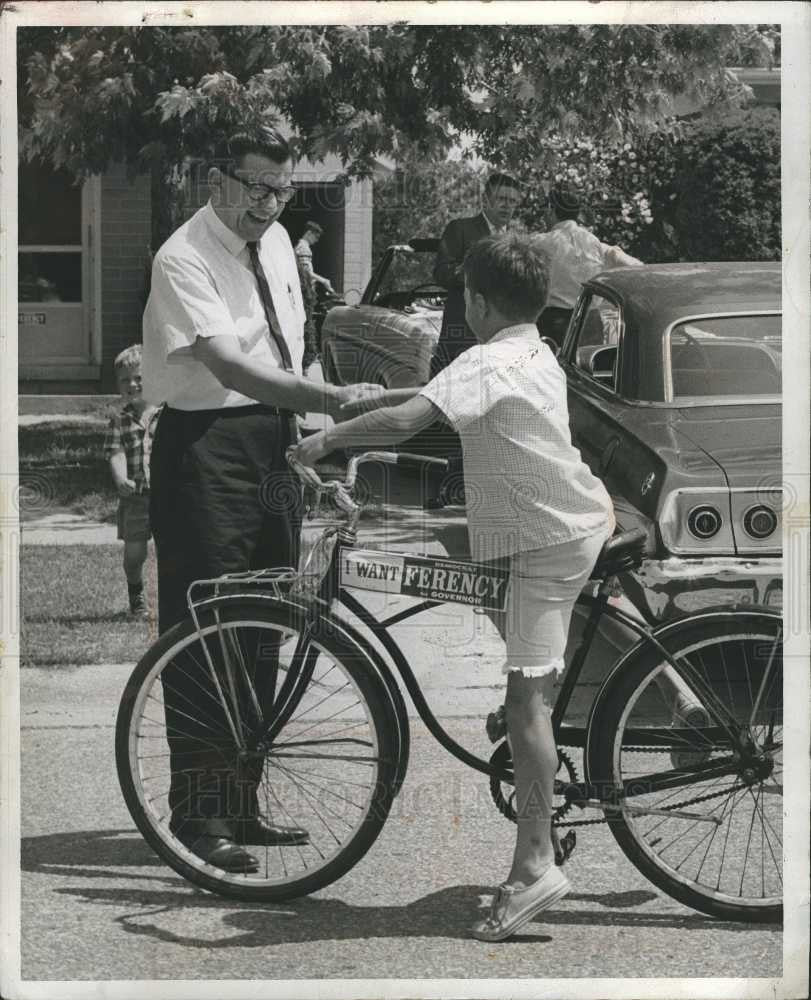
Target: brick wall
(126,231)
(358,236)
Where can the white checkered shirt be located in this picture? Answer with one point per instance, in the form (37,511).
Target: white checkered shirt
(525,483)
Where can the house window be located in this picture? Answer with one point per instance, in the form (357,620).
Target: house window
(50,236)
(55,273)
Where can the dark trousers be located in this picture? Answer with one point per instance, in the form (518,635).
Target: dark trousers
(223,500)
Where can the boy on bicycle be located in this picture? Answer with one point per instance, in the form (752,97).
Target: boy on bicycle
(531,500)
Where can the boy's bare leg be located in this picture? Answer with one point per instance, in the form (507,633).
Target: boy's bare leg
(134,559)
(535,759)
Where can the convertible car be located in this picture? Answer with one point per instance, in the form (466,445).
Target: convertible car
(674,401)
(390,335)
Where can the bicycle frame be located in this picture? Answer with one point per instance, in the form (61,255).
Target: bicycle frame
(331,589)
(570,736)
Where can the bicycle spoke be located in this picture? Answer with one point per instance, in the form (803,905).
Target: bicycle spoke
(736,861)
(322,749)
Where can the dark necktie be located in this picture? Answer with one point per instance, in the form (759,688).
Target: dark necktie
(273,321)
(267,303)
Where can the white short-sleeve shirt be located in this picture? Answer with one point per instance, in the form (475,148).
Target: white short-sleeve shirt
(526,485)
(575,255)
(203,286)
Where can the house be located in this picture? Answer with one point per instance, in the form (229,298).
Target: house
(84,256)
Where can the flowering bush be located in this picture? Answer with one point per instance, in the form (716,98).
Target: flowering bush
(702,190)
(707,189)
(615,182)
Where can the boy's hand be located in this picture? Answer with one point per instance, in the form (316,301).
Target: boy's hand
(310,450)
(126,487)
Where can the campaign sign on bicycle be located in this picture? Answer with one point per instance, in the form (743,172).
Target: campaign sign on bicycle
(427,577)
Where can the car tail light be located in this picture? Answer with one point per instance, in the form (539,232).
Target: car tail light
(759,521)
(704,521)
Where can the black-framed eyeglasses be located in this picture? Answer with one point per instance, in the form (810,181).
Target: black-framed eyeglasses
(259,192)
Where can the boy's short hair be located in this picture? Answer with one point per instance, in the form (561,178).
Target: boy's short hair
(565,200)
(130,357)
(511,271)
(314,227)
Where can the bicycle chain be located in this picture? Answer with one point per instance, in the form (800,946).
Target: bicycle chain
(562,810)
(674,805)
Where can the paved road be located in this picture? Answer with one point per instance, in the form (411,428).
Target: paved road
(97,904)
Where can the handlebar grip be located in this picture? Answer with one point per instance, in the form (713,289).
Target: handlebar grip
(407,456)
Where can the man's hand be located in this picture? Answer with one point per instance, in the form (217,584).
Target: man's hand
(360,398)
(125,487)
(350,400)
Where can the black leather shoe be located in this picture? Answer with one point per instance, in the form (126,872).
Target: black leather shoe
(257,831)
(213,843)
(222,852)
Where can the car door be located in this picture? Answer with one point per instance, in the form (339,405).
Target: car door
(590,359)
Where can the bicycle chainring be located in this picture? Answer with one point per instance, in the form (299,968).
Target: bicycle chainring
(502,758)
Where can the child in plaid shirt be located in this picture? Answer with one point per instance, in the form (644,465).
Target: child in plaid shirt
(127,447)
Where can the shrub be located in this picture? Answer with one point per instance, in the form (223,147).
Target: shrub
(707,189)
(726,188)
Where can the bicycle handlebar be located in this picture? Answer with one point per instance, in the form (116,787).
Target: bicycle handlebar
(342,491)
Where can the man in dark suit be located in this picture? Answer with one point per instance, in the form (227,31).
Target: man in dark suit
(502,195)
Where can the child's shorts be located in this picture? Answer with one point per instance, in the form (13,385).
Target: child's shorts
(133,518)
(544,585)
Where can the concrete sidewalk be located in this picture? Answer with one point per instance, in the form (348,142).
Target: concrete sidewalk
(394,519)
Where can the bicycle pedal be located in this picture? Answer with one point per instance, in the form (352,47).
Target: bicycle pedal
(564,848)
(496,725)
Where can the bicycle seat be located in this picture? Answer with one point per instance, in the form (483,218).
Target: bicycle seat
(620,554)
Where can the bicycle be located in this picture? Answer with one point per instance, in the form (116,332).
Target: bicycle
(305,704)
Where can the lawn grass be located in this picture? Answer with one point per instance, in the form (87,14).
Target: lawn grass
(62,467)
(74,608)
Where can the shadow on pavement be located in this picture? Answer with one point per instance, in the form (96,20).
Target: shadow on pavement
(445,913)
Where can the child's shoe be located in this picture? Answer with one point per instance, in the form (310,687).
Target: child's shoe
(138,608)
(512,908)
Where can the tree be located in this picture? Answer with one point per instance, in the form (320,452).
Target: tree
(152,97)
(420,198)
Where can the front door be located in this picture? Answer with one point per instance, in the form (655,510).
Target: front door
(55,287)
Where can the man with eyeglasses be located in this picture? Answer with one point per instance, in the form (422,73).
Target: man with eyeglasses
(223,345)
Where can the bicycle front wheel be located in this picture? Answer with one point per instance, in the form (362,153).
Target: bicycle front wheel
(698,818)
(258,714)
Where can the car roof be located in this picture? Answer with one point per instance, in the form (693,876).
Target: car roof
(656,295)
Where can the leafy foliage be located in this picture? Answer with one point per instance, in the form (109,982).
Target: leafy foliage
(708,190)
(154,97)
(725,193)
(420,198)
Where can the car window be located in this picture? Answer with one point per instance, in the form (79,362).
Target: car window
(596,339)
(718,356)
(406,270)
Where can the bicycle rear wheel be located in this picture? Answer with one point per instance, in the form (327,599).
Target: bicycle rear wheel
(723,854)
(296,717)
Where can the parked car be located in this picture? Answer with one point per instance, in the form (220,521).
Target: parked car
(389,336)
(675,402)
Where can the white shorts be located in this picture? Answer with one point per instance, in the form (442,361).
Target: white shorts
(544,585)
